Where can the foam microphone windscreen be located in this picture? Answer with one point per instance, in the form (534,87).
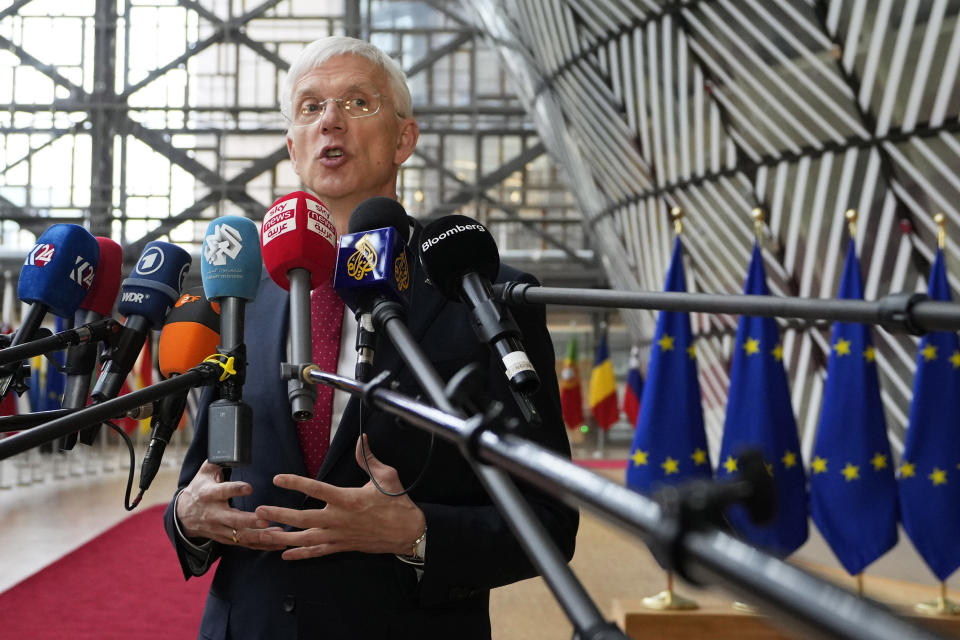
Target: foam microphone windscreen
(60,269)
(377,213)
(106,280)
(231,263)
(190,334)
(453,246)
(155,283)
(298,233)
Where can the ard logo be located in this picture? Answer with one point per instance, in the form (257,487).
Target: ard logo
(363,260)
(401,271)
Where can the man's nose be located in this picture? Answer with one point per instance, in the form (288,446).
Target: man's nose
(333,116)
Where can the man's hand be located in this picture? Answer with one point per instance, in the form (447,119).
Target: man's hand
(354,519)
(204,511)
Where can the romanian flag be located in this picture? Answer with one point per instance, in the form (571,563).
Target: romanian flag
(571,398)
(853,492)
(670,443)
(930,468)
(603,388)
(634,388)
(760,418)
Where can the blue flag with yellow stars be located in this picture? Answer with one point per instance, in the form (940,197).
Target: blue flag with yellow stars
(760,417)
(930,469)
(853,493)
(670,444)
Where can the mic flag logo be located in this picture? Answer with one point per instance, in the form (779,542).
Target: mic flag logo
(82,273)
(363,260)
(401,271)
(224,242)
(186,299)
(150,261)
(40,255)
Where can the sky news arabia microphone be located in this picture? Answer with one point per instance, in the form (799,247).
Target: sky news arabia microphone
(145,299)
(299,244)
(460,258)
(190,334)
(56,276)
(373,264)
(81,359)
(230,269)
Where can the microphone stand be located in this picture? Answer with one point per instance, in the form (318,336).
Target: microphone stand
(102,330)
(203,374)
(669,525)
(23,421)
(587,620)
(905,312)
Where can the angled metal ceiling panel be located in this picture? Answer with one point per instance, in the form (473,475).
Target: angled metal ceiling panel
(804,108)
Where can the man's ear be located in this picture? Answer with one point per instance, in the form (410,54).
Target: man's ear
(407,141)
(293,154)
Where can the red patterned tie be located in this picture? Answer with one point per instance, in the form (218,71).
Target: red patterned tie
(326,310)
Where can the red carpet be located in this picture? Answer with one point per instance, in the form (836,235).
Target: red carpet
(125,583)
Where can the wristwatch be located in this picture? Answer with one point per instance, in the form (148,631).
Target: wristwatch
(418,550)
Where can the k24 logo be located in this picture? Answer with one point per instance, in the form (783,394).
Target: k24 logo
(82,273)
(40,255)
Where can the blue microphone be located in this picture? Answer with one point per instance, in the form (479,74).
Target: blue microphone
(230,270)
(373,265)
(145,299)
(56,276)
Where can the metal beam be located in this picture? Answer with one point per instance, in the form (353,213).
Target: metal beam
(435,54)
(102,127)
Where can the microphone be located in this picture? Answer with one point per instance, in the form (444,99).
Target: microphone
(460,258)
(190,335)
(81,359)
(145,298)
(373,264)
(299,243)
(56,276)
(230,271)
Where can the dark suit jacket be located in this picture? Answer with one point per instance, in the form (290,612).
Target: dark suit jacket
(470,548)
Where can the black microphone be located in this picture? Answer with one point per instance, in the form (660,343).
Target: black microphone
(373,264)
(190,335)
(460,258)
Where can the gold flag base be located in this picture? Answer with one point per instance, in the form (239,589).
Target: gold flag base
(938,607)
(668,600)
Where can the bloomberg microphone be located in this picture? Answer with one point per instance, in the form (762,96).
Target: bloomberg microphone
(81,360)
(460,258)
(299,244)
(190,334)
(373,265)
(56,276)
(230,270)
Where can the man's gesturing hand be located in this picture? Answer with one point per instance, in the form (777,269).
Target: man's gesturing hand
(354,519)
(204,511)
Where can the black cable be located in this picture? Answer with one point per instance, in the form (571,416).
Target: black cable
(366,465)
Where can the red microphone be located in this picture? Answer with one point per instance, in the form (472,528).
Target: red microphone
(298,241)
(81,360)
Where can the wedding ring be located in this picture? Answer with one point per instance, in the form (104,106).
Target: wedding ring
(235,541)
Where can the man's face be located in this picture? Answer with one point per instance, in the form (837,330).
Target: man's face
(345,160)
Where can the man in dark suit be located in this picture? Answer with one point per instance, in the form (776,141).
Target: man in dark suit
(325,553)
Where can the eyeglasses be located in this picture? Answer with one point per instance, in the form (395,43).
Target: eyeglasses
(359,103)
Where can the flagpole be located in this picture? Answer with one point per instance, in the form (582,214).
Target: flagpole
(667,599)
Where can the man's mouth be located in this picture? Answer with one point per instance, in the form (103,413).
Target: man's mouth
(333,153)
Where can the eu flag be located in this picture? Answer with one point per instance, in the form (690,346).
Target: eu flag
(760,417)
(930,469)
(853,493)
(669,444)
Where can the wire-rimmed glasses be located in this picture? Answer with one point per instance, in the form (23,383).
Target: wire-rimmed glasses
(359,102)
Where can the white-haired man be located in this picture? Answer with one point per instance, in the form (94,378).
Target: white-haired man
(322,552)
